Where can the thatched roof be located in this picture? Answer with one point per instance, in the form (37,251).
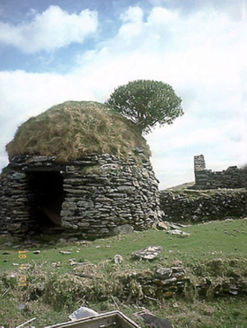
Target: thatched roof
(74,129)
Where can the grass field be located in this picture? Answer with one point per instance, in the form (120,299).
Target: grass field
(51,290)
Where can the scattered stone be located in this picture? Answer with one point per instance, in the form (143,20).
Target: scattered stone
(208,312)
(72,262)
(63,240)
(11,276)
(181,225)
(153,321)
(82,312)
(82,243)
(56,264)
(122,229)
(233,290)
(36,252)
(72,239)
(162,226)
(22,307)
(148,253)
(174,226)
(229,220)
(178,232)
(65,252)
(118,259)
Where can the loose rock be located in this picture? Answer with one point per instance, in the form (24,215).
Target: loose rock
(148,253)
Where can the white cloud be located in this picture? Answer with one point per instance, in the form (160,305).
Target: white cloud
(202,56)
(52,29)
(132,14)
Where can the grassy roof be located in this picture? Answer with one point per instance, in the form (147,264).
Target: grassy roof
(74,129)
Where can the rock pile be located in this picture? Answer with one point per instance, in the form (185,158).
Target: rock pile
(170,280)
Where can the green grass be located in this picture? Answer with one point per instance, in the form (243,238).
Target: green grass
(214,249)
(209,240)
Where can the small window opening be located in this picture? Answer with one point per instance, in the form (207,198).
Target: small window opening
(46,198)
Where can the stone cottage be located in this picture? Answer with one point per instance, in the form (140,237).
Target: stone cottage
(78,168)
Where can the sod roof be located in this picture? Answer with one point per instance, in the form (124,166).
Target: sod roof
(73,129)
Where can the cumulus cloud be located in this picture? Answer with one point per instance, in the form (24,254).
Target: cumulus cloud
(236,9)
(50,30)
(201,55)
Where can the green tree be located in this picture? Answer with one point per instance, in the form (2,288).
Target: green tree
(146,103)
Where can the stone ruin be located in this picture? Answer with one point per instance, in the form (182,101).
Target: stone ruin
(91,196)
(231,178)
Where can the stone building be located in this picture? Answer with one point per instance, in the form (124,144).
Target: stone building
(231,178)
(78,168)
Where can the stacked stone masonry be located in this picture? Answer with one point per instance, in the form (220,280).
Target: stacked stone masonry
(196,206)
(101,192)
(167,282)
(233,177)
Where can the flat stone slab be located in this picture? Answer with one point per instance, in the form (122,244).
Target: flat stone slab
(148,253)
(178,232)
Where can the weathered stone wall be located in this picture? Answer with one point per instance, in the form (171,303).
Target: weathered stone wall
(101,193)
(14,202)
(233,177)
(196,206)
(111,195)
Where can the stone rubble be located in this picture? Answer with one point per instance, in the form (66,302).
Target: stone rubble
(147,253)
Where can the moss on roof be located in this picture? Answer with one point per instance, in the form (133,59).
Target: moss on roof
(73,129)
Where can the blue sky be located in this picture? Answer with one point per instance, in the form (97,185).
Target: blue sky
(54,51)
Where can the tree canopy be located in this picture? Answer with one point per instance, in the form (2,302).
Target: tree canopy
(146,103)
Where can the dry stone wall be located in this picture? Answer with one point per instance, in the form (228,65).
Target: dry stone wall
(199,206)
(233,177)
(101,193)
(111,195)
(14,202)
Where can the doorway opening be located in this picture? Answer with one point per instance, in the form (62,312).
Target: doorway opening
(46,197)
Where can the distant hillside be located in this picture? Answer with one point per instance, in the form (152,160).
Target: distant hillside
(182,186)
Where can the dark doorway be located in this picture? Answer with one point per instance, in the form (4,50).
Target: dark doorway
(46,197)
